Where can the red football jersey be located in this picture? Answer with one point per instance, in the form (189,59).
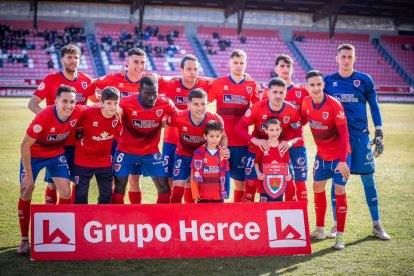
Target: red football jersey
(50,132)
(125,86)
(177,92)
(48,87)
(210,188)
(191,136)
(323,121)
(141,126)
(288,116)
(232,100)
(94,150)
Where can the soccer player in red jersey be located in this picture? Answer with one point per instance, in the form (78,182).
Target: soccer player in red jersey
(177,90)
(190,124)
(70,58)
(99,128)
(42,147)
(210,176)
(328,125)
(234,94)
(274,106)
(295,95)
(137,150)
(273,129)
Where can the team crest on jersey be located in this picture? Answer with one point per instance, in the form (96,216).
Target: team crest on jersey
(248,171)
(159,112)
(77,179)
(198,164)
(249,89)
(357,83)
(117,167)
(62,159)
(41,86)
(176,172)
(286,119)
(114,123)
(325,115)
(298,93)
(248,113)
(158,156)
(341,115)
(368,157)
(84,84)
(73,122)
(37,128)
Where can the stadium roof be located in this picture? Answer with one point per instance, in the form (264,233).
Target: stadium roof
(400,11)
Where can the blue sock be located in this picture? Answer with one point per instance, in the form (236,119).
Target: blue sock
(333,201)
(371,195)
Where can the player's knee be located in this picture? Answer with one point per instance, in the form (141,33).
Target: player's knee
(339,189)
(26,194)
(120,184)
(162,184)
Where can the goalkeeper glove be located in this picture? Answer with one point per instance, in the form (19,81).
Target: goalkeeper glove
(378,141)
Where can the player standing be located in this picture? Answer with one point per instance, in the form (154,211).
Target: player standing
(354,90)
(42,147)
(234,94)
(276,107)
(138,144)
(329,129)
(70,58)
(295,94)
(99,128)
(191,124)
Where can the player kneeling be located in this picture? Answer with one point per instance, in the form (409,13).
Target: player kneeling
(210,176)
(100,128)
(274,163)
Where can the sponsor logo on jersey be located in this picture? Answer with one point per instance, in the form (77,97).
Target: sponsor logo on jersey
(211,169)
(325,115)
(357,83)
(235,99)
(341,115)
(84,84)
(37,128)
(58,137)
(368,156)
(158,156)
(298,94)
(301,161)
(103,136)
(181,100)
(159,112)
(80,98)
(286,119)
(317,125)
(346,98)
(193,139)
(73,122)
(145,123)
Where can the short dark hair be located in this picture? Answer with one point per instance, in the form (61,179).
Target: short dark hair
(346,47)
(313,73)
(272,121)
(188,57)
(277,82)
(65,89)
(213,125)
(238,53)
(110,93)
(136,51)
(148,80)
(197,93)
(70,49)
(285,58)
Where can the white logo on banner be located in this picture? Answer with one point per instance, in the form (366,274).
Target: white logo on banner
(286,228)
(55,232)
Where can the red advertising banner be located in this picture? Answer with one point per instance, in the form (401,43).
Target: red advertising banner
(86,232)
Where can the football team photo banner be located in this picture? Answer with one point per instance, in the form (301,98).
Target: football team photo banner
(90,232)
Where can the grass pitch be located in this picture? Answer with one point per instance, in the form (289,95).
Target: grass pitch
(364,254)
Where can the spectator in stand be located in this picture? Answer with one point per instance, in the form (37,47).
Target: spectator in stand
(243,39)
(50,64)
(216,35)
(155,33)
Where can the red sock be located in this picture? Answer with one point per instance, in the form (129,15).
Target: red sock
(188,196)
(177,194)
(290,193)
(301,191)
(23,212)
(238,196)
(135,197)
(163,198)
(320,208)
(73,194)
(64,201)
(250,188)
(341,210)
(117,198)
(50,196)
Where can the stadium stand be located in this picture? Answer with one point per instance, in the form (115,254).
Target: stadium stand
(41,48)
(402,49)
(320,52)
(165,45)
(261,46)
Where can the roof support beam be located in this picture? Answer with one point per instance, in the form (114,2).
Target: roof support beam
(33,7)
(138,5)
(331,8)
(234,6)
